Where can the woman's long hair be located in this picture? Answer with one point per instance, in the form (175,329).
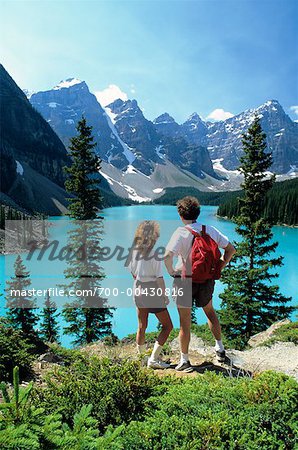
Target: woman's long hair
(146,236)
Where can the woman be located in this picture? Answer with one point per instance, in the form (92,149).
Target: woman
(149,290)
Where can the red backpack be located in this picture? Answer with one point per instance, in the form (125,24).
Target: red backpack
(204,258)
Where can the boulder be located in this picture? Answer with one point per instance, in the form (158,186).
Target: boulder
(262,337)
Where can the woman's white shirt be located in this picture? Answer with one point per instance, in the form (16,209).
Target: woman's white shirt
(145,270)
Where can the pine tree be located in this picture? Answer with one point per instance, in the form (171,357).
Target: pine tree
(87,315)
(82,176)
(250,302)
(49,327)
(21,307)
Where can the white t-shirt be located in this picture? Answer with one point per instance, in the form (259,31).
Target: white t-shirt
(181,241)
(145,269)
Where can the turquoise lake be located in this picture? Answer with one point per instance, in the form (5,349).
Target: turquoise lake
(120,224)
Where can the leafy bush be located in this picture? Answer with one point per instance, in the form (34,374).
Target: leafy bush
(16,350)
(28,427)
(212,412)
(67,355)
(116,389)
(206,412)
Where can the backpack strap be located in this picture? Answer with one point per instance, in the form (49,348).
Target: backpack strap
(191,230)
(195,233)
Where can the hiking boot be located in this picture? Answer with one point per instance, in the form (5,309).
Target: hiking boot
(157,364)
(220,356)
(184,367)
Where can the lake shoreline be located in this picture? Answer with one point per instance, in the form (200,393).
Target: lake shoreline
(274,225)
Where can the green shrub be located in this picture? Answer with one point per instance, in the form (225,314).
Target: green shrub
(212,412)
(26,426)
(67,355)
(15,350)
(116,389)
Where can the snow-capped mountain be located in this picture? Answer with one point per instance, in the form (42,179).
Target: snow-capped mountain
(65,104)
(141,158)
(223,139)
(137,132)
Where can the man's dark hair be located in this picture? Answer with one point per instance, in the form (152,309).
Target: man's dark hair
(189,208)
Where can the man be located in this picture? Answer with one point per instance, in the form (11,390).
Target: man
(180,246)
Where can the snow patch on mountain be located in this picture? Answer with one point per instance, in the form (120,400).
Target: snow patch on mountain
(127,151)
(67,83)
(111,115)
(158,152)
(217,165)
(20,169)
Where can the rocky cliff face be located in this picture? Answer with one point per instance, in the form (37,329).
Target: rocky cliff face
(25,135)
(137,132)
(32,155)
(65,104)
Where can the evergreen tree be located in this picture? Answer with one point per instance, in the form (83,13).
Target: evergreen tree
(87,315)
(250,302)
(21,307)
(49,327)
(82,175)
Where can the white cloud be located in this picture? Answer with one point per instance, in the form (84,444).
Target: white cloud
(294,109)
(109,94)
(219,114)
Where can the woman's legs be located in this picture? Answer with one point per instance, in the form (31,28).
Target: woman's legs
(166,326)
(143,322)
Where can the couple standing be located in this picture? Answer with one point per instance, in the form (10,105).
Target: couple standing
(199,264)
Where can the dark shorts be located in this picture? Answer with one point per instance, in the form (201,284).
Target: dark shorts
(188,294)
(149,298)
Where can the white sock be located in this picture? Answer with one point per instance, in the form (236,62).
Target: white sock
(141,349)
(156,351)
(184,358)
(219,347)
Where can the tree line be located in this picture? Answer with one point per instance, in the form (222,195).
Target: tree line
(280,204)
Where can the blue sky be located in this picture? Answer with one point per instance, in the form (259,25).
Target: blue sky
(178,56)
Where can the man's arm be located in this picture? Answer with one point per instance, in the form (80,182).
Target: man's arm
(228,254)
(169,259)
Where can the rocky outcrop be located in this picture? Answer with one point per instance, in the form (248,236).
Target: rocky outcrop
(261,338)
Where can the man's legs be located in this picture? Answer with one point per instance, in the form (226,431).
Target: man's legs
(215,328)
(184,337)
(213,321)
(184,334)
